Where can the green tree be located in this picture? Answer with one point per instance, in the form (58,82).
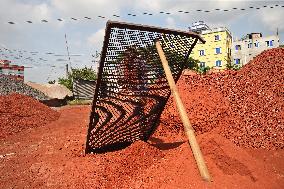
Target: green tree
(67,82)
(84,73)
(194,64)
(232,66)
(203,70)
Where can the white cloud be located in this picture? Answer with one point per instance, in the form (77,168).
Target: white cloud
(89,8)
(17,11)
(97,38)
(272,19)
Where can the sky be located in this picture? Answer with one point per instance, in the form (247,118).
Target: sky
(41,46)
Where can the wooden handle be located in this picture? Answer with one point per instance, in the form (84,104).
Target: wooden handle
(184,118)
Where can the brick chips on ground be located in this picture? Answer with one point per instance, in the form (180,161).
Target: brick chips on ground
(247,105)
(233,104)
(18,112)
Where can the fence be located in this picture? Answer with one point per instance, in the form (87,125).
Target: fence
(83,89)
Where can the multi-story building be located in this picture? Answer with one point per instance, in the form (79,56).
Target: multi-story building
(13,71)
(251,45)
(216,52)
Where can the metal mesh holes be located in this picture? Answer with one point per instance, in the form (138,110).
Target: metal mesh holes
(132,89)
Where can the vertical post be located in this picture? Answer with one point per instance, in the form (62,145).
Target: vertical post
(67,48)
(67,71)
(183,115)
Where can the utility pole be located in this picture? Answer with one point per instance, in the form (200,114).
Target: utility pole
(67,70)
(67,48)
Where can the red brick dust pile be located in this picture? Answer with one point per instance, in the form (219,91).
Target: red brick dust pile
(52,156)
(18,112)
(256,94)
(122,166)
(221,108)
(247,105)
(205,105)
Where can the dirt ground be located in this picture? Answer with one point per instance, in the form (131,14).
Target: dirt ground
(237,115)
(52,156)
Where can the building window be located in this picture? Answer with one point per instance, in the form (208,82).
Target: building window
(201,52)
(218,63)
(249,45)
(237,61)
(202,64)
(269,43)
(256,44)
(238,47)
(217,37)
(218,50)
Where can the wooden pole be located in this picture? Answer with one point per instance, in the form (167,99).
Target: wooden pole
(183,115)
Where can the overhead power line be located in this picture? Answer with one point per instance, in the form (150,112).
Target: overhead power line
(164,12)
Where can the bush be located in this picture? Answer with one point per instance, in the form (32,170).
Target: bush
(232,66)
(67,82)
(84,73)
(193,64)
(203,70)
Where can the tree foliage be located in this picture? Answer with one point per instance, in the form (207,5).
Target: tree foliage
(193,64)
(83,73)
(67,82)
(231,66)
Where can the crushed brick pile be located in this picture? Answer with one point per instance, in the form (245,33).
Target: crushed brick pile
(18,112)
(126,164)
(246,105)
(206,109)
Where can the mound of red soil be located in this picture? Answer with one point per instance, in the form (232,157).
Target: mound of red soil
(121,166)
(52,157)
(225,109)
(205,105)
(130,162)
(248,104)
(18,112)
(230,167)
(256,96)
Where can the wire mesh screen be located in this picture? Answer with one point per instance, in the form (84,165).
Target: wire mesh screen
(132,89)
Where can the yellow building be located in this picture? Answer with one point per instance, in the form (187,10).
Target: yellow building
(216,52)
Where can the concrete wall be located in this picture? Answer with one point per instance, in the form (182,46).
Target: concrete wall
(249,49)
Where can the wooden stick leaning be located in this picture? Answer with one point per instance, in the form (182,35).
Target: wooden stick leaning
(183,115)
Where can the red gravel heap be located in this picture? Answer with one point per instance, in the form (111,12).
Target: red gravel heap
(123,165)
(18,112)
(246,105)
